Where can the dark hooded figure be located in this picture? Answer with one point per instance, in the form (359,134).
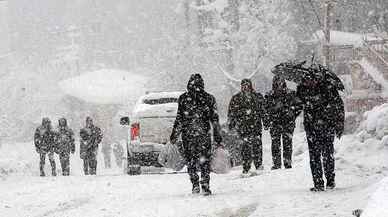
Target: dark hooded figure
(197,114)
(245,115)
(323,120)
(44,140)
(65,145)
(282,107)
(90,138)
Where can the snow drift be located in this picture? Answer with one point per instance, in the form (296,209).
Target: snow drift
(378,204)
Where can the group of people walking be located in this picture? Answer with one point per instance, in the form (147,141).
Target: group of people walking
(49,141)
(248,112)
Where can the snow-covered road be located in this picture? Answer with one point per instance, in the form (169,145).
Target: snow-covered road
(279,193)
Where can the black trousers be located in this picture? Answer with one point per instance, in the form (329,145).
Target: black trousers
(321,150)
(251,150)
(90,163)
(64,158)
(281,135)
(42,162)
(197,153)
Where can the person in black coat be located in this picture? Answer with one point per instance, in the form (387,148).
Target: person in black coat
(245,115)
(90,138)
(65,145)
(323,120)
(282,107)
(197,113)
(44,140)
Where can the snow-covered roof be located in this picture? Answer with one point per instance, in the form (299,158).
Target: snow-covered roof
(106,86)
(343,38)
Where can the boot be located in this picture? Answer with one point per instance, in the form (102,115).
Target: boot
(259,167)
(287,166)
(42,173)
(330,185)
(53,172)
(206,189)
(275,167)
(196,189)
(317,189)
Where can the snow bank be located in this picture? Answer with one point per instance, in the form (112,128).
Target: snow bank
(375,123)
(378,203)
(106,86)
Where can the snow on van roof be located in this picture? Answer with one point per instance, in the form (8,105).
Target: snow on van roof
(106,86)
(162,94)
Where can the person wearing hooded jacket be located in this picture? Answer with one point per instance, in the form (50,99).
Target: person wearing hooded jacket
(282,107)
(90,138)
(323,120)
(245,115)
(44,141)
(65,145)
(196,115)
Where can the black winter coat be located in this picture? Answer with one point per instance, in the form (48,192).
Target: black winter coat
(44,140)
(282,108)
(246,113)
(90,137)
(65,141)
(323,108)
(196,115)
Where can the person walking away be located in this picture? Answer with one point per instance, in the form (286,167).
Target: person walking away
(65,145)
(282,107)
(107,151)
(323,120)
(245,115)
(118,152)
(45,145)
(91,137)
(196,115)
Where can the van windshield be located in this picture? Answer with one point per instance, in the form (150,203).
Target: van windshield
(160,101)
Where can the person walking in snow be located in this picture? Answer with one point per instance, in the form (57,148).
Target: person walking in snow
(282,108)
(245,115)
(107,152)
(118,151)
(65,145)
(323,120)
(90,138)
(44,141)
(197,113)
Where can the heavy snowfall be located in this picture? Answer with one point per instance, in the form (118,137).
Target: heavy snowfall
(188,108)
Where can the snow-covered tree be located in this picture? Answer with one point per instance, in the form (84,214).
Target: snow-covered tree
(251,35)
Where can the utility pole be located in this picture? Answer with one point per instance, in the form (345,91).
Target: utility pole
(326,31)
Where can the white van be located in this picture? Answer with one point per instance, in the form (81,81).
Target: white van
(151,125)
